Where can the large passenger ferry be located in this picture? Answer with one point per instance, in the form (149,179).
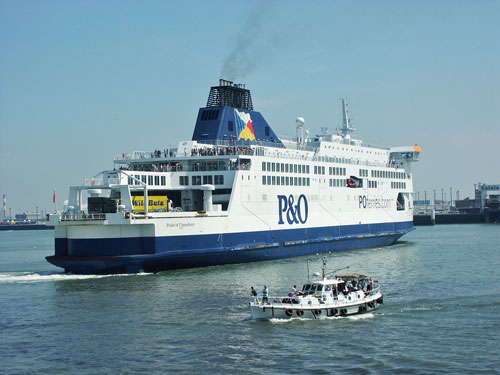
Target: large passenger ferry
(234,193)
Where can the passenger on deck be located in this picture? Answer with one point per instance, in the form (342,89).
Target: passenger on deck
(253,293)
(265,292)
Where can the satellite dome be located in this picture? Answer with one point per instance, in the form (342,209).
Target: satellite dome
(300,121)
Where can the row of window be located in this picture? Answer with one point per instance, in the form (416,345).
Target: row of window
(198,180)
(363,173)
(319,169)
(398,185)
(286,181)
(284,167)
(337,171)
(338,182)
(150,180)
(388,174)
(372,184)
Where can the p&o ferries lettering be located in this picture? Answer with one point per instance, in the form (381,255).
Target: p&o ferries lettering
(369,203)
(295,214)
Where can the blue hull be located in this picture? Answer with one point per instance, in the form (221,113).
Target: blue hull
(119,255)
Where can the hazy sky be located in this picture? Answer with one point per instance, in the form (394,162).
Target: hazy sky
(83,81)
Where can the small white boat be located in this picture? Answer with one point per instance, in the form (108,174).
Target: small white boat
(342,295)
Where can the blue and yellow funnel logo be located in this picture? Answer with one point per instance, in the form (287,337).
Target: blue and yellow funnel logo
(244,126)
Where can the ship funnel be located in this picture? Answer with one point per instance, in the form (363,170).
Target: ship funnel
(230,94)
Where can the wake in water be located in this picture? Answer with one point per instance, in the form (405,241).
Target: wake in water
(350,317)
(33,277)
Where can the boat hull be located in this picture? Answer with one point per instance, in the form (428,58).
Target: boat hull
(129,255)
(290,311)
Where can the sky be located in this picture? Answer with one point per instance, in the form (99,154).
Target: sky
(84,81)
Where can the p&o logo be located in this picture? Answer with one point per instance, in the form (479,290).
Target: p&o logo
(295,213)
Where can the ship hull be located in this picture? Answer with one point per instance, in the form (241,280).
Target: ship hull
(153,254)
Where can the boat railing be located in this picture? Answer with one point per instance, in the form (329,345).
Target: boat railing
(83,217)
(297,300)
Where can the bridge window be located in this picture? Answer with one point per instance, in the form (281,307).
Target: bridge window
(195,180)
(219,180)
(163,180)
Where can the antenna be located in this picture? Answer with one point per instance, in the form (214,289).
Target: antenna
(308,271)
(323,268)
(346,123)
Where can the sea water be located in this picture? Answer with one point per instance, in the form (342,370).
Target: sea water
(441,313)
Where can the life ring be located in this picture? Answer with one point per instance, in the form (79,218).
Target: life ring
(289,312)
(335,312)
(343,312)
(300,312)
(317,312)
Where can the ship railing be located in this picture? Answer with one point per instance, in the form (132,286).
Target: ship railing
(294,155)
(83,217)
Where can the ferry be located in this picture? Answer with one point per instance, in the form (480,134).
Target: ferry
(340,296)
(236,193)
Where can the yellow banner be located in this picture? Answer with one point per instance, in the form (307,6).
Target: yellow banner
(154,203)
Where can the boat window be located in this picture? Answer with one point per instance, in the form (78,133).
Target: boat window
(320,287)
(264,166)
(306,287)
(313,287)
(263,180)
(328,288)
